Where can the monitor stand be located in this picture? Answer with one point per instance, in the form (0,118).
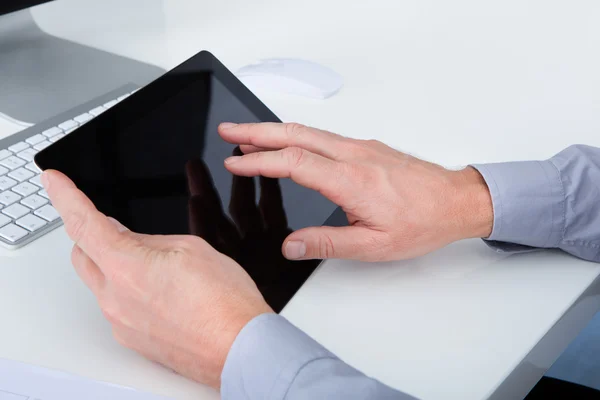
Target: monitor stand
(42,76)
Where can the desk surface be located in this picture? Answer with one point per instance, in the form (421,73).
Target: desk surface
(453,82)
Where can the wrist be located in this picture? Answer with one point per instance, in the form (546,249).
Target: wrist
(474,207)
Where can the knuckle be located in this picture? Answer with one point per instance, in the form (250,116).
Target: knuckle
(295,156)
(183,248)
(188,244)
(326,247)
(75,225)
(294,130)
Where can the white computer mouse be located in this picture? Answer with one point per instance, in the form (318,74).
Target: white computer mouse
(292,76)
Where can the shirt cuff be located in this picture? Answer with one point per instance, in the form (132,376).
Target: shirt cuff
(266,357)
(529,204)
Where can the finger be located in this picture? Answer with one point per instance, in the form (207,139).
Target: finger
(86,226)
(271,205)
(242,205)
(303,167)
(271,135)
(87,270)
(349,242)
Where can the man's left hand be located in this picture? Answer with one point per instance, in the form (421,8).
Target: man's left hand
(173,299)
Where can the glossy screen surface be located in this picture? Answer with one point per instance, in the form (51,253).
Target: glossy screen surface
(155,163)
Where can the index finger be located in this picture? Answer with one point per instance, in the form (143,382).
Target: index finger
(271,135)
(303,167)
(86,226)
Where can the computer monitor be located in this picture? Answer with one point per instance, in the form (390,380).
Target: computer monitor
(42,76)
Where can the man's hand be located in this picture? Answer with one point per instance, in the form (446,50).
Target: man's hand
(398,206)
(173,299)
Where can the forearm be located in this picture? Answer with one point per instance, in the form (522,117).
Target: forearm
(272,359)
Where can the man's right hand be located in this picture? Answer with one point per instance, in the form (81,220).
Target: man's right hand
(398,206)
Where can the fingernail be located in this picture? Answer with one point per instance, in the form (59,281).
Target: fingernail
(233,159)
(120,226)
(295,250)
(45,180)
(227,125)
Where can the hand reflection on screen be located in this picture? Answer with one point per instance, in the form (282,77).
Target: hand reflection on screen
(254,235)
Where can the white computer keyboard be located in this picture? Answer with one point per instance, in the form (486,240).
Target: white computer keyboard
(25,210)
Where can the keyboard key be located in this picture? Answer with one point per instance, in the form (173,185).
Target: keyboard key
(13,162)
(16,211)
(52,132)
(4,220)
(35,139)
(57,137)
(25,189)
(12,233)
(69,131)
(48,212)
(6,182)
(110,104)
(123,97)
(4,154)
(42,145)
(3,170)
(83,118)
(33,168)
(27,154)
(34,201)
(8,197)
(37,180)
(70,124)
(97,111)
(17,147)
(43,193)
(21,174)
(31,222)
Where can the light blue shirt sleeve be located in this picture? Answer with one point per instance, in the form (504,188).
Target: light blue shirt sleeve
(547,204)
(272,359)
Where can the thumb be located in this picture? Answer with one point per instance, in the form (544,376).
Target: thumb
(348,242)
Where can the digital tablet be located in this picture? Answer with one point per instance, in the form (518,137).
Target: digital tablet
(155,162)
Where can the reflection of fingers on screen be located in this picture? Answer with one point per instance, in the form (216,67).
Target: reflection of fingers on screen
(200,181)
(202,222)
(271,205)
(243,207)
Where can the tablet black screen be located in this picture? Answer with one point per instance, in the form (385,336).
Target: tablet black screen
(155,163)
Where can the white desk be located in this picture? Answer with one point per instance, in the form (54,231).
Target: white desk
(455,82)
